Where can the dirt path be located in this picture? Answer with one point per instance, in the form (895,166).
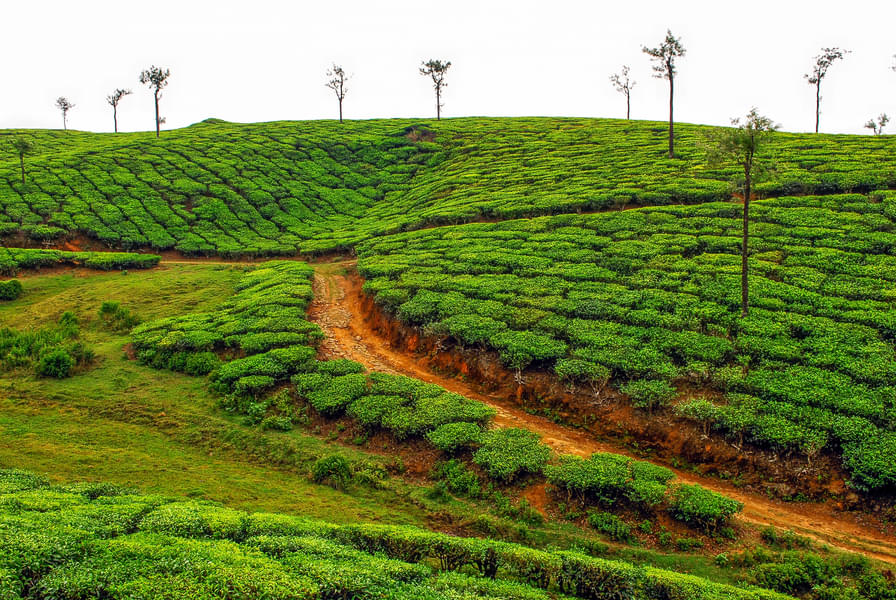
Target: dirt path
(337,309)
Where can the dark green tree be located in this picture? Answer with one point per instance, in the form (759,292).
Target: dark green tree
(624,85)
(436,69)
(113,99)
(743,145)
(663,57)
(63,104)
(823,62)
(22,147)
(156,78)
(337,84)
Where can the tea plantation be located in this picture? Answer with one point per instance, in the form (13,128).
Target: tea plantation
(103,541)
(652,296)
(314,186)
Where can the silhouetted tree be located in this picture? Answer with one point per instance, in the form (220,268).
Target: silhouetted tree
(624,86)
(664,57)
(878,126)
(22,147)
(113,99)
(156,78)
(823,62)
(436,69)
(743,145)
(337,84)
(64,105)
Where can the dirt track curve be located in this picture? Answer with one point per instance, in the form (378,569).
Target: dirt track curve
(337,310)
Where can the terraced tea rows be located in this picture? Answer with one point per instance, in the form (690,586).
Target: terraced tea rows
(652,296)
(275,188)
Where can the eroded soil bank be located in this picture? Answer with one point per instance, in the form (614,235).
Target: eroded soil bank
(357,329)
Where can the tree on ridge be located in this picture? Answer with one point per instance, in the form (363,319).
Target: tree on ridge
(156,78)
(624,86)
(664,57)
(337,84)
(823,62)
(63,104)
(113,99)
(436,69)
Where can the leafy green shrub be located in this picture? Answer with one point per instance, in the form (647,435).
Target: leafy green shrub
(334,471)
(701,507)
(117,317)
(55,363)
(686,544)
(649,394)
(607,478)
(506,454)
(10,290)
(452,437)
(611,525)
(458,478)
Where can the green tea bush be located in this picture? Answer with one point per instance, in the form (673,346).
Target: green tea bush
(701,507)
(649,394)
(611,525)
(452,437)
(334,471)
(55,363)
(10,290)
(507,454)
(609,478)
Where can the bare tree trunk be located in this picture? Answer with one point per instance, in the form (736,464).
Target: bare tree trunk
(628,107)
(671,125)
(64,123)
(817,104)
(157,112)
(438,103)
(115,117)
(744,277)
(340,110)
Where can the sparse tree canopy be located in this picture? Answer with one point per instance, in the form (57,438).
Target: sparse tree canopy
(663,58)
(743,145)
(624,85)
(823,62)
(22,147)
(436,69)
(877,126)
(337,84)
(113,99)
(63,104)
(156,78)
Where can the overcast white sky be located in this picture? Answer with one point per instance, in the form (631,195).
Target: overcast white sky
(265,60)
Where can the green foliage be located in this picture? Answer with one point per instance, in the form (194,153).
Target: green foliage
(608,478)
(55,363)
(118,318)
(13,260)
(507,454)
(452,437)
(53,351)
(611,525)
(651,297)
(701,507)
(10,290)
(649,394)
(333,470)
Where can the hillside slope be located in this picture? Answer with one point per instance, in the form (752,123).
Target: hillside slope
(314,186)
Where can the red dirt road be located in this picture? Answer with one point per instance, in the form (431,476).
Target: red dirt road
(337,309)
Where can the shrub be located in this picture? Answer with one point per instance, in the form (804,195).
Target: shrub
(56,363)
(649,394)
(506,454)
(334,471)
(611,525)
(10,290)
(451,437)
(458,478)
(700,507)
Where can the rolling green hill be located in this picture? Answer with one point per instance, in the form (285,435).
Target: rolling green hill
(314,186)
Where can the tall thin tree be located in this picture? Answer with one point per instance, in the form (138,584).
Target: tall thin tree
(823,62)
(337,84)
(156,78)
(63,104)
(624,85)
(22,147)
(877,125)
(744,145)
(113,99)
(436,69)
(663,57)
